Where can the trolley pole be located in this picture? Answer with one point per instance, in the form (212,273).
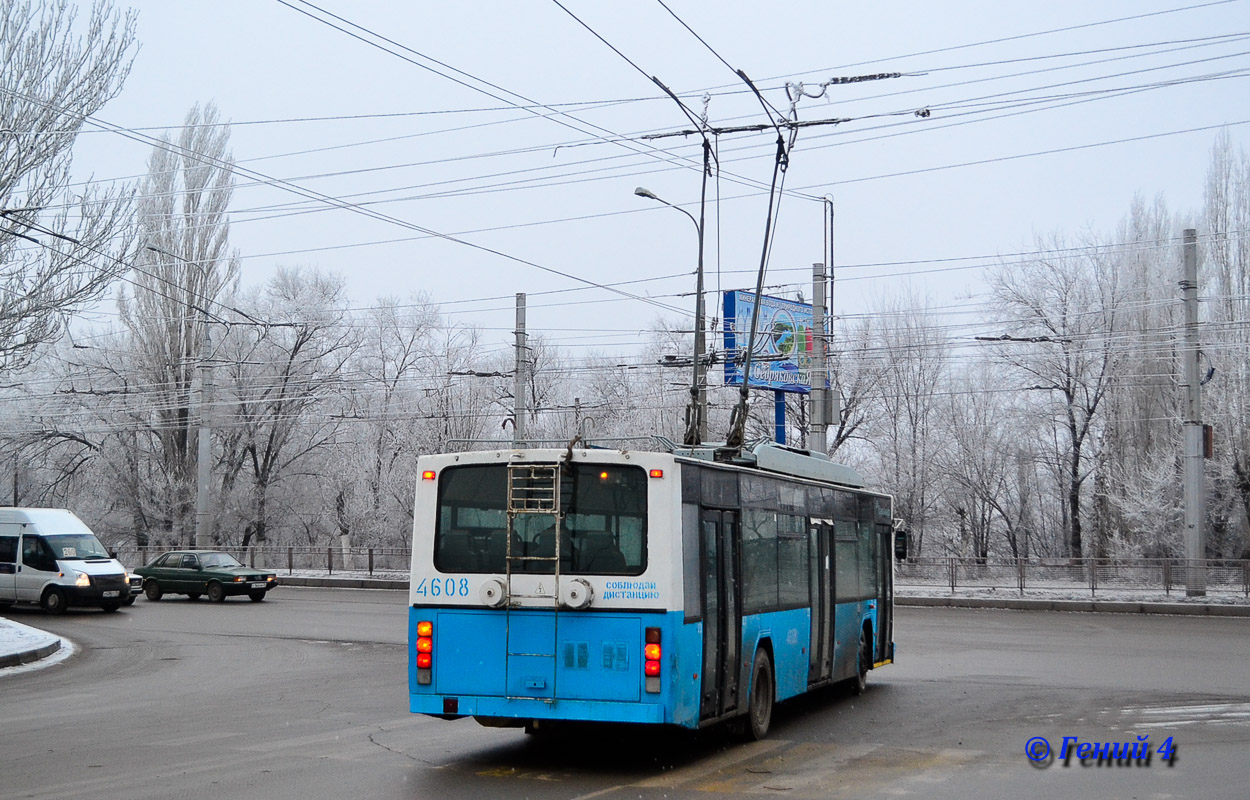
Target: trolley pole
(1195,501)
(519,406)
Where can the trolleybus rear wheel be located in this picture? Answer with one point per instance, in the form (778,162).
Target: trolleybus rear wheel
(760,706)
(864,658)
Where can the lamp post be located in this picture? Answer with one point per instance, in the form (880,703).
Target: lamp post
(696,428)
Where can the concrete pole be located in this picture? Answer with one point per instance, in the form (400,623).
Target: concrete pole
(1195,501)
(519,407)
(204,454)
(819,370)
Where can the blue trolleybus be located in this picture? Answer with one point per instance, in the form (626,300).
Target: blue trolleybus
(645,587)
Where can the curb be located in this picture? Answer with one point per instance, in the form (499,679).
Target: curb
(28,656)
(1106,607)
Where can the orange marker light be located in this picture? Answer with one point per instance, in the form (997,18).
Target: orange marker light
(428,475)
(425,645)
(603,476)
(425,628)
(657,473)
(653,652)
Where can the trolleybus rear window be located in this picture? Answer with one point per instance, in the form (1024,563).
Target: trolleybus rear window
(604,529)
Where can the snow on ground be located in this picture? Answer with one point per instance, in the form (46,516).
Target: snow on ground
(16,638)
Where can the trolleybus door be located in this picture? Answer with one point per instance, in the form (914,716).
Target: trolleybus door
(820,544)
(722,612)
(885,591)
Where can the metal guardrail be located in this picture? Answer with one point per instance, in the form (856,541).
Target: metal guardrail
(1082,574)
(328,559)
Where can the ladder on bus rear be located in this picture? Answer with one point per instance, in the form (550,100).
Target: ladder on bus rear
(534,489)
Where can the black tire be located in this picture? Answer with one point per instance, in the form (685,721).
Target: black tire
(152,590)
(256,597)
(53,601)
(109,608)
(216,592)
(193,595)
(760,704)
(129,601)
(863,663)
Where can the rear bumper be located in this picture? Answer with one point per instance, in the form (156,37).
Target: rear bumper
(526,709)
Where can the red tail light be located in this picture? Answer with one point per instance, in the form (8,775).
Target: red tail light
(651,660)
(425,653)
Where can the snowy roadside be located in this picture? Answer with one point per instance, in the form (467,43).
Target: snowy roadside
(1081,594)
(22,645)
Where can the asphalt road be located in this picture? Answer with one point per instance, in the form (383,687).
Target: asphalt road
(304,696)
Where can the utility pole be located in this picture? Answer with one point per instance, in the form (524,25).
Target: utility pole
(203,467)
(819,371)
(1195,501)
(519,404)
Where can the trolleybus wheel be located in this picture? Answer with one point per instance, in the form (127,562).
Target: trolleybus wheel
(760,706)
(864,658)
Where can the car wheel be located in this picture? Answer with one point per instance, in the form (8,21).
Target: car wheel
(109,608)
(129,601)
(193,595)
(864,658)
(216,593)
(53,601)
(256,596)
(760,705)
(152,590)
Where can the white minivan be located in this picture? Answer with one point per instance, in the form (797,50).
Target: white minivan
(50,557)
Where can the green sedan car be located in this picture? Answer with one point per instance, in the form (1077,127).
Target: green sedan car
(199,572)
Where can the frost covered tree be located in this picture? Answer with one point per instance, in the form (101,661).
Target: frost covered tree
(282,380)
(58,249)
(1062,310)
(184,267)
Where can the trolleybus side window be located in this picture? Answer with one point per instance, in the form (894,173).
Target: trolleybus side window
(604,530)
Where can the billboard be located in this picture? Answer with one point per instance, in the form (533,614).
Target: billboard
(783,342)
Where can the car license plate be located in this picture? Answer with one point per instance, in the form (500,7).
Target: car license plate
(260,585)
(110,594)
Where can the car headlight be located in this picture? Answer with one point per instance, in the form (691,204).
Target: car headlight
(83,580)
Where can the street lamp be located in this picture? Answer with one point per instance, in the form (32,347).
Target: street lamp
(696,428)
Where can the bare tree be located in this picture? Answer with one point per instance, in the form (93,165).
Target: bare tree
(55,75)
(1061,311)
(281,374)
(912,353)
(1226,220)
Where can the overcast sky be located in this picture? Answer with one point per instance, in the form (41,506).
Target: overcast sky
(1000,82)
